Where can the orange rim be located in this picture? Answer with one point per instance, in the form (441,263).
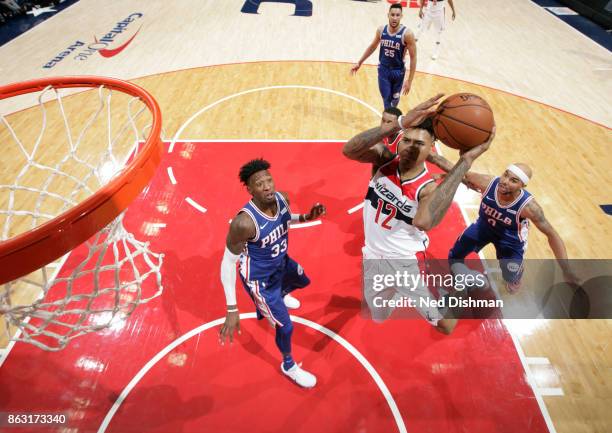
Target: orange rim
(32,250)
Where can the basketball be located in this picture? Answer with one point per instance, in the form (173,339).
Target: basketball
(463,120)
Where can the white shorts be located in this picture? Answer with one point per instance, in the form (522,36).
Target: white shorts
(434,16)
(384,291)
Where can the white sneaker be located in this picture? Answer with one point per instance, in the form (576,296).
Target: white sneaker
(300,376)
(434,56)
(291,302)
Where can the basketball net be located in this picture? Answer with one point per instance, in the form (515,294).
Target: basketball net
(112,272)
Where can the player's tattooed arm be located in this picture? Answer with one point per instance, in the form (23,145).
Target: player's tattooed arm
(367,146)
(476,181)
(435,201)
(534,212)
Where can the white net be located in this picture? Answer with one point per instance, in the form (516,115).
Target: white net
(50,171)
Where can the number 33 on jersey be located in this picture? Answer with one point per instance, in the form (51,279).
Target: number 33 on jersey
(269,246)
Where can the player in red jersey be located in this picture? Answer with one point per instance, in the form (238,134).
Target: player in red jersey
(389,116)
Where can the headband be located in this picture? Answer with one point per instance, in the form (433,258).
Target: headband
(519,173)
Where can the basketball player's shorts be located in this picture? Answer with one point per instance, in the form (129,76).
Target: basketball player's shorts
(476,237)
(267,293)
(390,84)
(392,284)
(434,15)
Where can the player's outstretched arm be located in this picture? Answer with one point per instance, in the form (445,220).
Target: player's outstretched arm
(452,6)
(367,146)
(241,230)
(476,181)
(412,52)
(368,52)
(435,200)
(534,212)
(316,211)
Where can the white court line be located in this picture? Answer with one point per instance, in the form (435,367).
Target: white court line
(355,208)
(171,176)
(196,205)
(517,345)
(557,392)
(262,89)
(260,140)
(317,327)
(303,225)
(533,360)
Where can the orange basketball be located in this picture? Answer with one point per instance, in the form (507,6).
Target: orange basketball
(463,120)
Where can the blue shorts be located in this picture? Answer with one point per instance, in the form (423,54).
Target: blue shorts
(267,293)
(476,237)
(390,83)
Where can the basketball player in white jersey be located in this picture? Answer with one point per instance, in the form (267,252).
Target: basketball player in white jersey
(402,203)
(434,13)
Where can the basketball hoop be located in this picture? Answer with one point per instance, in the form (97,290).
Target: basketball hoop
(74,197)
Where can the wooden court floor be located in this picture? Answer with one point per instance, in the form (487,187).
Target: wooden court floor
(318,100)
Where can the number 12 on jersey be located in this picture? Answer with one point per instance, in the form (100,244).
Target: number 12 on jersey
(392,212)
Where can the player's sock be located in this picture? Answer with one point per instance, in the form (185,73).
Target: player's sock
(436,52)
(283,341)
(288,361)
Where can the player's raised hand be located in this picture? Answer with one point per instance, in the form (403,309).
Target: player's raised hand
(571,278)
(317,210)
(420,112)
(355,68)
(231,325)
(405,88)
(473,153)
(421,13)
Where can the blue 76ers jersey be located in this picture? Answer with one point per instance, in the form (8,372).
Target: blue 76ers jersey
(504,221)
(392,49)
(266,252)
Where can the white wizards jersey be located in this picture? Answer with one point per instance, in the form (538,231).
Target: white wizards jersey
(390,205)
(435,6)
